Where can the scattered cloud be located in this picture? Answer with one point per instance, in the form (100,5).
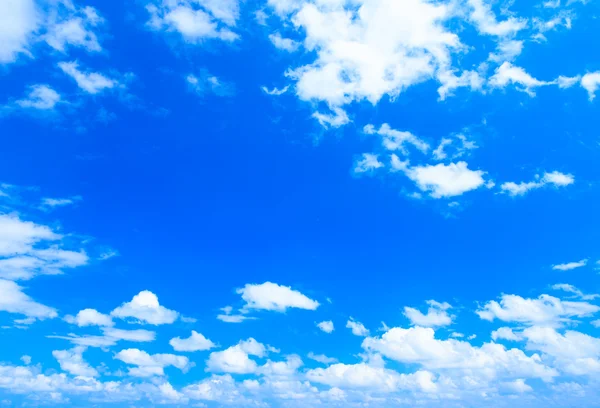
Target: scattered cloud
(150,365)
(41,97)
(358,329)
(556,179)
(285,44)
(91,82)
(570,265)
(144,308)
(196,342)
(90,317)
(273,297)
(437,315)
(326,326)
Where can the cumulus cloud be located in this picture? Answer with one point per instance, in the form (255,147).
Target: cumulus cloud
(326,326)
(320,358)
(90,317)
(149,365)
(443,180)
(145,308)
(19,19)
(545,310)
(196,342)
(418,345)
(590,82)
(505,333)
(195,21)
(367,162)
(437,315)
(236,359)
(274,297)
(358,329)
(285,44)
(72,362)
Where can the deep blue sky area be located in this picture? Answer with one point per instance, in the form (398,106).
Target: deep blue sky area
(299,203)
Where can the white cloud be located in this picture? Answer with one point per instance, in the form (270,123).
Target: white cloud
(195,21)
(507,74)
(91,82)
(449,82)
(445,180)
(72,362)
(274,297)
(275,91)
(145,308)
(19,20)
(41,97)
(590,82)
(517,386)
(286,44)
(358,329)
(486,22)
(320,358)
(418,345)
(236,359)
(109,338)
(569,266)
(363,376)
(572,289)
(28,249)
(507,50)
(14,300)
(26,359)
(205,83)
(228,317)
(89,317)
(437,315)
(545,310)
(59,202)
(505,333)
(196,342)
(326,326)
(567,82)
(337,118)
(367,163)
(555,178)
(148,365)
(73,28)
(396,140)
(368,49)
(574,352)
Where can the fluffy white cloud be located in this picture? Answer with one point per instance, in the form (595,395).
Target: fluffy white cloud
(337,118)
(286,44)
(326,326)
(363,376)
(72,362)
(14,300)
(418,345)
(590,82)
(274,297)
(545,310)
(196,342)
(358,329)
(555,178)
(443,180)
(195,20)
(505,333)
(41,97)
(517,386)
(570,265)
(73,28)
(19,20)
(368,49)
(89,317)
(437,315)
(574,352)
(236,359)
(144,307)
(90,82)
(148,365)
(484,19)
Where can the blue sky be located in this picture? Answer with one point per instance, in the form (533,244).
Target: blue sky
(299,203)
